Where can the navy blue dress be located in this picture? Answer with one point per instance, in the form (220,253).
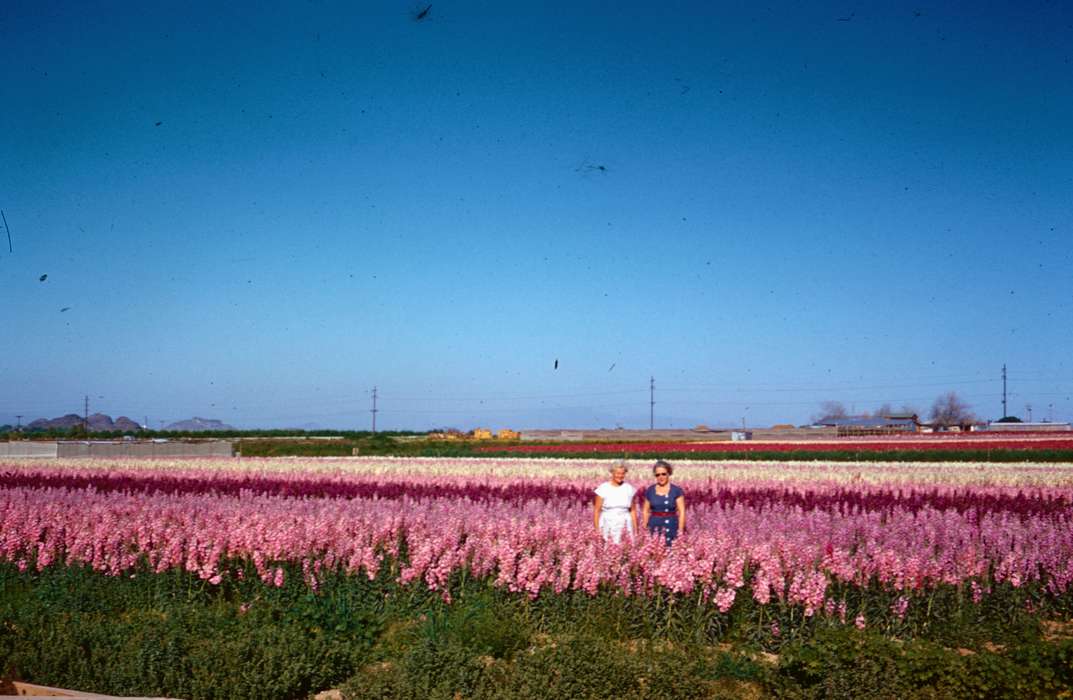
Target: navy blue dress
(663,504)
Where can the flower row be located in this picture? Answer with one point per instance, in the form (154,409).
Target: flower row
(1014,476)
(1051,502)
(1027,444)
(775,553)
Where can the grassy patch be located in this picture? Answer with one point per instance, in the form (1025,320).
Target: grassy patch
(174,635)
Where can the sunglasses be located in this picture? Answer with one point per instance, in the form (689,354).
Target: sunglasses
(662,474)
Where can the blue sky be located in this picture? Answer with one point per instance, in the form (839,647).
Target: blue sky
(258,213)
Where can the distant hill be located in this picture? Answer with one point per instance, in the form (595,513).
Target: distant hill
(61,423)
(196,424)
(97,423)
(126,424)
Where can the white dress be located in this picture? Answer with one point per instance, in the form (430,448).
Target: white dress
(615,511)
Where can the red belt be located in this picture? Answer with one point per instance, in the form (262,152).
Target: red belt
(663,514)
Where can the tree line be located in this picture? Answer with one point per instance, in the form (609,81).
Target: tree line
(948,410)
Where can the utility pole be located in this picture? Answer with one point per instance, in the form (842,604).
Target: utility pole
(1004,413)
(651,403)
(1028,410)
(374,410)
(19,421)
(85,414)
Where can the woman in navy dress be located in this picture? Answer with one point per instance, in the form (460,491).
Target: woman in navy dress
(664,508)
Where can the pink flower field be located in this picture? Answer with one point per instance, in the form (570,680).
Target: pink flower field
(797,535)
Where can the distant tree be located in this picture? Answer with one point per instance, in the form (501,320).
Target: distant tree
(1009,419)
(883,411)
(949,410)
(830,410)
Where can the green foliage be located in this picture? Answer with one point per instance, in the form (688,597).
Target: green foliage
(580,665)
(483,624)
(174,635)
(846,663)
(77,432)
(169,636)
(371,444)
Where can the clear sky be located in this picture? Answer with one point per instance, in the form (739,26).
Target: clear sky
(258,212)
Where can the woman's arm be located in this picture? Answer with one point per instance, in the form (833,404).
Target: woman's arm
(597,506)
(680,505)
(646,510)
(633,513)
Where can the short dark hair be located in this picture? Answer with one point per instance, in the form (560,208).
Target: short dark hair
(660,463)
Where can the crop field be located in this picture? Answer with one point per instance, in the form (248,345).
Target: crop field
(392,577)
(985,446)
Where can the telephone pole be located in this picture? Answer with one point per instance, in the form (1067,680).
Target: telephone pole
(19,421)
(374,410)
(85,414)
(651,403)
(1004,413)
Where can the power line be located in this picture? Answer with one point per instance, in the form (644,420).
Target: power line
(651,403)
(531,397)
(834,388)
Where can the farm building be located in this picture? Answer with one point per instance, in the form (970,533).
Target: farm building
(1047,427)
(877,425)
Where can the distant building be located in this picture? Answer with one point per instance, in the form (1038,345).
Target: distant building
(874,425)
(1044,426)
(508,434)
(910,416)
(482,434)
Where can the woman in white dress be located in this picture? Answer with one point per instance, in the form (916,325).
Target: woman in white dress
(614,511)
